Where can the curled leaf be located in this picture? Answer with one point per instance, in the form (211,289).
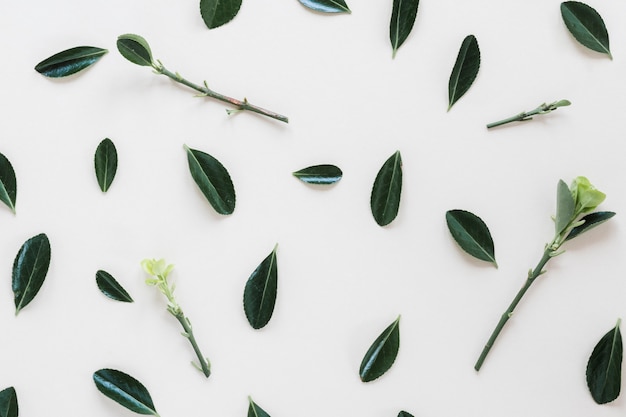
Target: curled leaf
(105,162)
(465,70)
(403,15)
(326,6)
(125,390)
(589,222)
(111,288)
(472,234)
(586,25)
(8,185)
(604,369)
(259,296)
(70,61)
(8,403)
(382,354)
(29,270)
(255,411)
(385,198)
(216,13)
(319,174)
(135,49)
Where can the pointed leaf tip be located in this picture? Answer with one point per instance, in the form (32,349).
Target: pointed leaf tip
(70,61)
(125,390)
(386,191)
(259,296)
(381,354)
(254,410)
(111,288)
(29,270)
(472,235)
(8,185)
(8,403)
(216,13)
(586,25)
(604,369)
(465,70)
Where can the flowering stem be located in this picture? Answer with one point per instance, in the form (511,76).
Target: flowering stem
(205,366)
(524,116)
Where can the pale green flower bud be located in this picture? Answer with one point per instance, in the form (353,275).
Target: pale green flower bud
(585,195)
(158,268)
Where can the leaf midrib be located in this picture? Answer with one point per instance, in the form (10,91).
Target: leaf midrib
(396,167)
(267,279)
(575,17)
(474,240)
(32,273)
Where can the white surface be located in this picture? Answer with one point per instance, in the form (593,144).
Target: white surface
(342,278)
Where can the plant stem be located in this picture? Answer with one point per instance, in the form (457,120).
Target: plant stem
(524,116)
(188,333)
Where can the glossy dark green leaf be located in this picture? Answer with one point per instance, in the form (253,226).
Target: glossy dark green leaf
(385,198)
(105,162)
(8,185)
(70,61)
(255,411)
(404,414)
(326,6)
(403,17)
(319,174)
(586,25)
(604,369)
(259,296)
(213,180)
(216,13)
(472,234)
(465,70)
(591,220)
(565,206)
(29,269)
(382,354)
(125,390)
(111,288)
(8,403)
(135,49)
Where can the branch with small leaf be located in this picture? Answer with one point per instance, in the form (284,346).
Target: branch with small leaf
(525,116)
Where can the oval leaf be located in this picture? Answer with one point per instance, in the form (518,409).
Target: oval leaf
(565,207)
(465,70)
(125,390)
(8,185)
(604,369)
(385,199)
(326,6)
(403,17)
(472,234)
(319,174)
(255,411)
(216,13)
(8,403)
(70,61)
(586,25)
(590,221)
(29,270)
(105,162)
(382,354)
(259,296)
(213,180)
(111,288)
(135,49)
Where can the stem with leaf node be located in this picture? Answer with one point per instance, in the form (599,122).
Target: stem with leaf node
(525,116)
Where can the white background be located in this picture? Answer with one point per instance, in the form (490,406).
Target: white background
(342,278)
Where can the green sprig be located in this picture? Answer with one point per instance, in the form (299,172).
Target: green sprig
(525,116)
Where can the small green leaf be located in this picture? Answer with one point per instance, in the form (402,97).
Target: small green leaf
(105,162)
(385,198)
(213,180)
(565,207)
(125,390)
(590,221)
(8,402)
(404,414)
(319,174)
(255,411)
(216,13)
(135,49)
(472,234)
(604,369)
(326,6)
(586,25)
(403,17)
(70,61)
(8,185)
(29,270)
(465,70)
(382,354)
(111,288)
(259,296)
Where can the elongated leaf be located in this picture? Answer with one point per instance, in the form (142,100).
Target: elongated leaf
(29,270)
(472,234)
(319,174)
(111,288)
(255,411)
(604,369)
(465,70)
(8,185)
(8,403)
(125,390)
(565,206)
(259,296)
(70,61)
(105,162)
(326,6)
(216,13)
(404,414)
(385,199)
(213,180)
(382,354)
(586,25)
(591,220)
(135,49)
(403,15)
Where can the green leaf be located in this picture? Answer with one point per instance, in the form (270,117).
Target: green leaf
(216,13)
(319,174)
(213,180)
(125,390)
(255,411)
(404,414)
(565,207)
(472,234)
(403,17)
(29,270)
(589,222)
(105,162)
(604,369)
(259,296)
(8,402)
(70,61)
(465,70)
(135,49)
(382,354)
(8,186)
(111,288)
(586,25)
(385,198)
(326,6)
